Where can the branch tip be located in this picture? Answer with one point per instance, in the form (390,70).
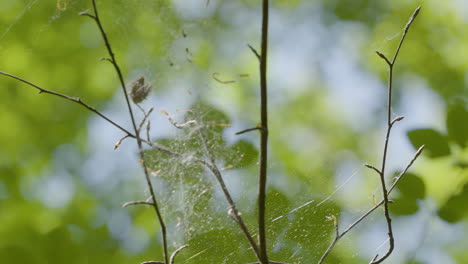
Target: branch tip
(254,51)
(176,252)
(381,55)
(248,130)
(85,13)
(373,168)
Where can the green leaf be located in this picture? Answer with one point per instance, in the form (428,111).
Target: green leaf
(457,123)
(456,208)
(412,186)
(404,206)
(436,143)
(242,154)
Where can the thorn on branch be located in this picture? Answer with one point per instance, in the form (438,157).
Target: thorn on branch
(120,142)
(248,130)
(85,13)
(106,59)
(373,168)
(397,119)
(147,202)
(254,51)
(381,55)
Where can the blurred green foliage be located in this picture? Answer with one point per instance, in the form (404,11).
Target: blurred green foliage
(174,46)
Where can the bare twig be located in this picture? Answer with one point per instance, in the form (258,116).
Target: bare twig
(390,124)
(215,77)
(137,203)
(262,179)
(176,252)
(69,98)
(373,168)
(254,51)
(113,61)
(120,142)
(385,201)
(361,218)
(211,165)
(144,118)
(145,202)
(248,130)
(148,127)
(174,123)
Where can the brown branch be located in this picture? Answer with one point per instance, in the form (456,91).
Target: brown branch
(144,118)
(248,130)
(385,201)
(390,124)
(120,142)
(211,165)
(69,98)
(361,218)
(254,51)
(373,168)
(117,69)
(137,203)
(262,179)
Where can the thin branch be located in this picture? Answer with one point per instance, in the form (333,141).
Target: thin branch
(120,142)
(262,179)
(144,118)
(407,26)
(153,262)
(397,119)
(381,55)
(361,218)
(386,192)
(248,130)
(176,252)
(390,124)
(69,98)
(233,208)
(148,127)
(373,168)
(215,77)
(254,51)
(113,60)
(137,203)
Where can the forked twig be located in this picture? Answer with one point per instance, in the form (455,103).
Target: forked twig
(361,218)
(390,124)
(385,201)
(211,165)
(117,69)
(254,51)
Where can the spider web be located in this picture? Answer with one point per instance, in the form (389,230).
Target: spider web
(194,53)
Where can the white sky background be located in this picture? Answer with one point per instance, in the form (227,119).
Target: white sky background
(303,49)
